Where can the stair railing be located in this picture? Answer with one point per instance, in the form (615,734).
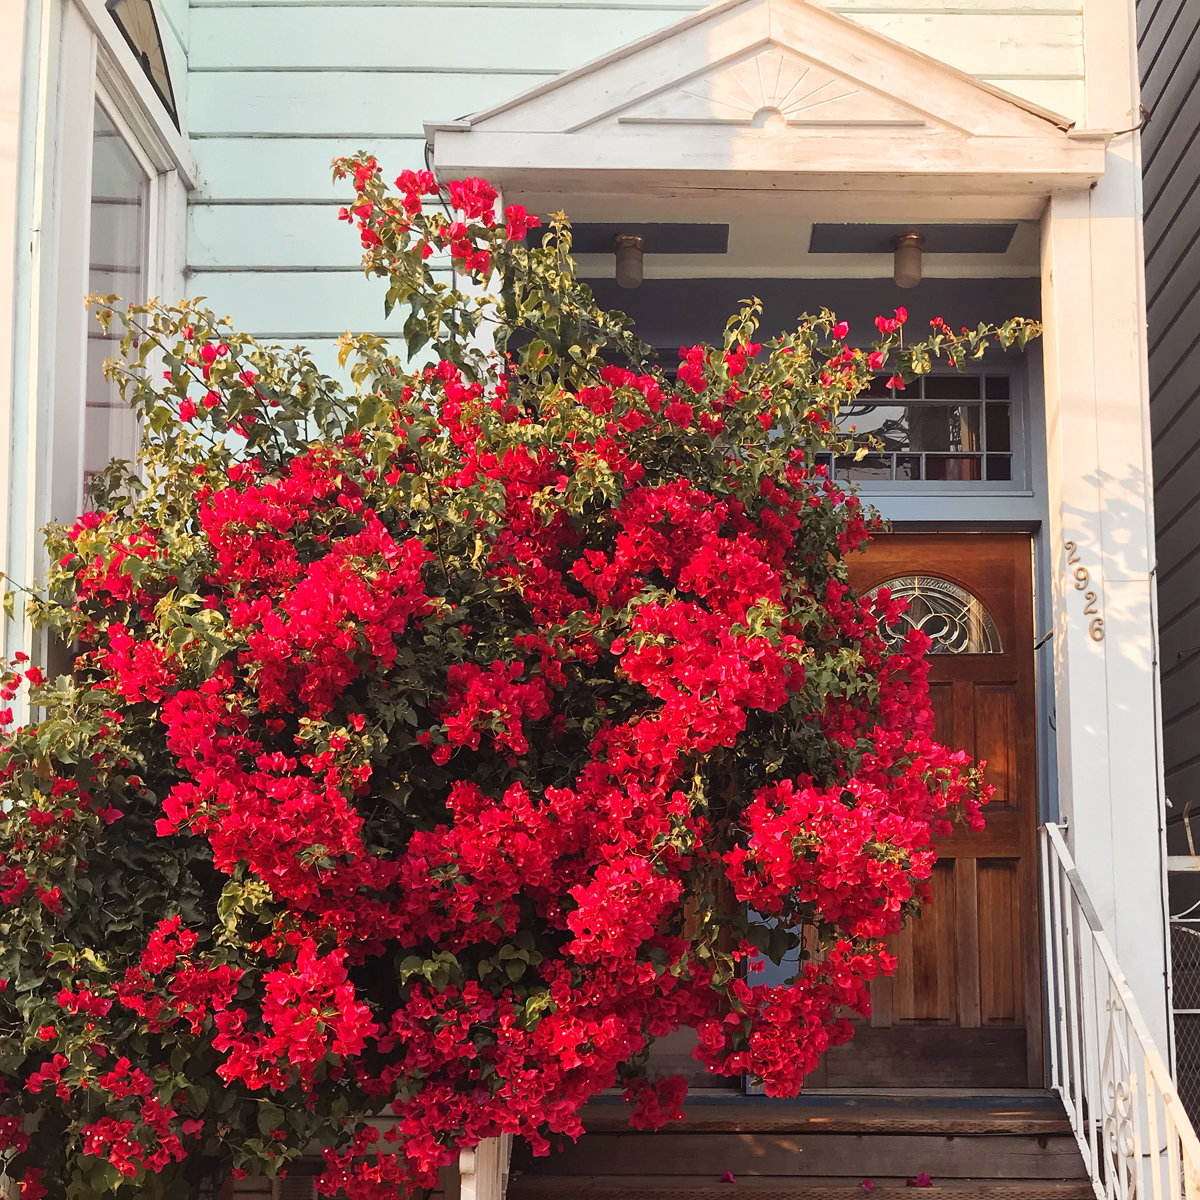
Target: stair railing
(1124,1109)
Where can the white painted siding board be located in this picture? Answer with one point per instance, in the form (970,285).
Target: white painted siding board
(1015,48)
(336,104)
(1063,96)
(998,8)
(364,38)
(292,169)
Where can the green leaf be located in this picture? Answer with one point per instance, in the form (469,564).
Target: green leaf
(269,1117)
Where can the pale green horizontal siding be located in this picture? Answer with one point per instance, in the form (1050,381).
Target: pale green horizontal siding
(277,88)
(284,304)
(337,103)
(252,168)
(334,37)
(270,235)
(174,20)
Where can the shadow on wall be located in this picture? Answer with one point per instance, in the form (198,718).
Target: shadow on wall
(669,313)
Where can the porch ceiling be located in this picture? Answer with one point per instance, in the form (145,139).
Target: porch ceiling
(775,96)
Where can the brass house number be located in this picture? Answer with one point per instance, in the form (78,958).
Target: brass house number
(1082,579)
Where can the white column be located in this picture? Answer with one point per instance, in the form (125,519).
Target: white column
(1099,477)
(12,45)
(483,1171)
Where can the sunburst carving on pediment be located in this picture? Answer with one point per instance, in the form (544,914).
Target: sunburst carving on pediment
(773,87)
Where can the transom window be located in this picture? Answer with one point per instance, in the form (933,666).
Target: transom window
(941,427)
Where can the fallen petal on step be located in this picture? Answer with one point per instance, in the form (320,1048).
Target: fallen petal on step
(921,1180)
(868,1185)
(727,1177)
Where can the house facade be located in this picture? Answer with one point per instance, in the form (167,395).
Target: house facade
(783,149)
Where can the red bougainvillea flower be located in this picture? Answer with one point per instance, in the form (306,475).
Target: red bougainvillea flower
(435,745)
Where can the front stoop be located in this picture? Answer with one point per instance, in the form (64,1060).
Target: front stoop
(1016,1146)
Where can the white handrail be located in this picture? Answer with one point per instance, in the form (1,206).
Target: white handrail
(1124,1109)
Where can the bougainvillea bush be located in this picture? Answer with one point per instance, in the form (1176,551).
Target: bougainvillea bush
(434,745)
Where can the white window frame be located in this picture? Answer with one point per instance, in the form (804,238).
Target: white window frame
(73,56)
(96,65)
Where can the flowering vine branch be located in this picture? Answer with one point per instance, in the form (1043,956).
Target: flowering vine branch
(321,841)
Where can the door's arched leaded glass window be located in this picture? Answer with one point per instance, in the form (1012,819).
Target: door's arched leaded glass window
(955,621)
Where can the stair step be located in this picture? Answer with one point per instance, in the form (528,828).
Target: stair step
(849,1115)
(806,1154)
(694,1187)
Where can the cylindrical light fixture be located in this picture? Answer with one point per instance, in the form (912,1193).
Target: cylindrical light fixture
(906,268)
(629,248)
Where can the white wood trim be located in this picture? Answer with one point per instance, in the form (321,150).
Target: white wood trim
(13,32)
(1100,499)
(842,28)
(125,81)
(60,445)
(903,121)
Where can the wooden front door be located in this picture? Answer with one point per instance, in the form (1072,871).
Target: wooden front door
(964,1006)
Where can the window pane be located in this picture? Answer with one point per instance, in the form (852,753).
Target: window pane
(870,466)
(943,466)
(952,387)
(944,426)
(999,467)
(999,427)
(996,387)
(119,216)
(888,422)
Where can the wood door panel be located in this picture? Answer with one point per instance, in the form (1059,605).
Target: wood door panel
(941,700)
(967,981)
(1001,974)
(924,988)
(996,740)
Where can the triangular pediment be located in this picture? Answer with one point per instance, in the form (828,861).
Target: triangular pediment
(768,89)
